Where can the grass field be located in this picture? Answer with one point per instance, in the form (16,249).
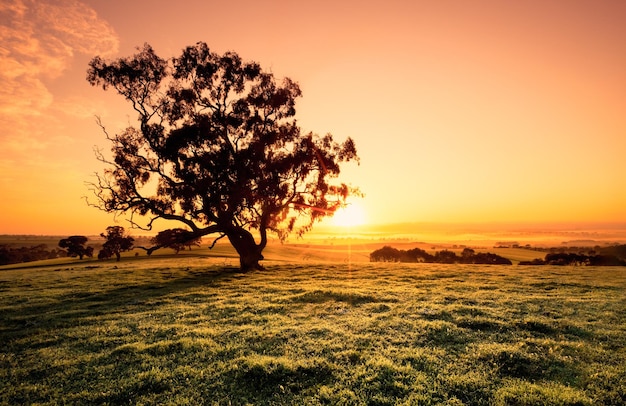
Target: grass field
(189,330)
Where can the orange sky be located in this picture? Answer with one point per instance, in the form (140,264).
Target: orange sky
(480,111)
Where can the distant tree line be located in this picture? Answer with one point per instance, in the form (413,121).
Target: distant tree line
(570,258)
(615,250)
(468,256)
(12,255)
(116,241)
(618,250)
(613,255)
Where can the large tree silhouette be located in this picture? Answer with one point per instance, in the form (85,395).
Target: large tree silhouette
(216,148)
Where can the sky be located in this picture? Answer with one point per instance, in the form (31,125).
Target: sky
(474,112)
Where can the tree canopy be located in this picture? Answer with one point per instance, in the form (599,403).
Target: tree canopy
(468,256)
(177,239)
(75,246)
(117,241)
(217,148)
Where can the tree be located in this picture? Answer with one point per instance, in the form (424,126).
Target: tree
(117,241)
(176,239)
(418,255)
(386,254)
(446,257)
(488,258)
(467,255)
(217,148)
(75,246)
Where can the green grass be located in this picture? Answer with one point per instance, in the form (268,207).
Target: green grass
(185,330)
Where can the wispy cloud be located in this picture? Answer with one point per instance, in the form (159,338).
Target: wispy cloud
(78,26)
(39,41)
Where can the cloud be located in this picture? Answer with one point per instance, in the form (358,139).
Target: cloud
(79,26)
(39,41)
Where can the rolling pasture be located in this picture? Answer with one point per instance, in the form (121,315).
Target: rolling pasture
(189,329)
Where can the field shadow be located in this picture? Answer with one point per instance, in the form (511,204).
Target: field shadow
(322,296)
(82,307)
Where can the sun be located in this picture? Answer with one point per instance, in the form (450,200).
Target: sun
(351,215)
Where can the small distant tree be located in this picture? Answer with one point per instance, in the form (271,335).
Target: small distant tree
(385,254)
(418,255)
(75,246)
(489,259)
(467,253)
(176,238)
(117,241)
(446,257)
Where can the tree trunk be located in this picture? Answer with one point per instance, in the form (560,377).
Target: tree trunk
(249,252)
(249,261)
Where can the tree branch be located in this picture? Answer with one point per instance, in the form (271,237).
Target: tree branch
(216,240)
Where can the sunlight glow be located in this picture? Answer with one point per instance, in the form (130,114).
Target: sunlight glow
(349,216)
(463,127)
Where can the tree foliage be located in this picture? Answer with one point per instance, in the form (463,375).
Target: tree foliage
(15,255)
(117,241)
(575,259)
(177,239)
(75,246)
(217,148)
(468,256)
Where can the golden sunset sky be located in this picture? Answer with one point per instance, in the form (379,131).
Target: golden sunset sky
(462,111)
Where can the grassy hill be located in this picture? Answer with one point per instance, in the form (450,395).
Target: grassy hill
(186,329)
